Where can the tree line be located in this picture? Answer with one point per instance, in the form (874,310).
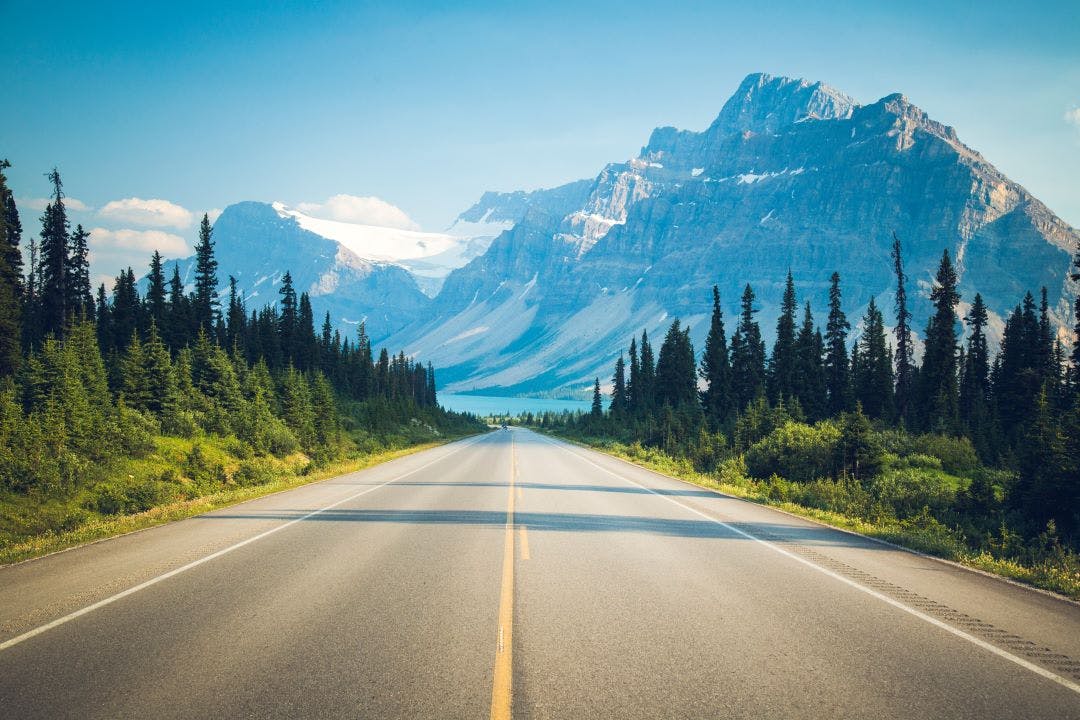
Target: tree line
(86,375)
(1019,408)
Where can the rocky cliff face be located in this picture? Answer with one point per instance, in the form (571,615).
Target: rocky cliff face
(790,175)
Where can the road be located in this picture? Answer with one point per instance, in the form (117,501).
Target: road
(513,575)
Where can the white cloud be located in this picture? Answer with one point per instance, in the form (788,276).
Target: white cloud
(213,214)
(147,213)
(39,204)
(1073,116)
(360,210)
(142,242)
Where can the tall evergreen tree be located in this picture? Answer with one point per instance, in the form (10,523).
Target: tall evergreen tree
(80,300)
(810,369)
(10,283)
(633,385)
(905,356)
(747,354)
(974,403)
(837,372)
(11,228)
(872,376)
(938,378)
(236,315)
(781,379)
(155,292)
(646,376)
(55,262)
(205,304)
(676,379)
(288,318)
(716,369)
(178,328)
(597,412)
(619,400)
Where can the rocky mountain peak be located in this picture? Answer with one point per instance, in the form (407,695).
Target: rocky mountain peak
(764,103)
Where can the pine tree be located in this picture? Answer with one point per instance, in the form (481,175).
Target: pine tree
(810,369)
(55,262)
(205,304)
(939,391)
(287,320)
(236,316)
(646,376)
(155,292)
(676,379)
(715,369)
(177,331)
(633,387)
(11,230)
(975,380)
(747,354)
(905,362)
(782,364)
(305,335)
(618,405)
(10,282)
(80,294)
(597,411)
(873,376)
(837,372)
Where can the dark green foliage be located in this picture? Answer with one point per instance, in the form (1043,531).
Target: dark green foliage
(80,301)
(155,302)
(938,377)
(905,363)
(872,371)
(646,377)
(783,365)
(837,371)
(204,305)
(597,412)
(676,379)
(715,370)
(10,280)
(619,401)
(53,301)
(747,354)
(810,389)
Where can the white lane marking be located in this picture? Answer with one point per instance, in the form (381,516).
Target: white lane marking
(1065,682)
(195,563)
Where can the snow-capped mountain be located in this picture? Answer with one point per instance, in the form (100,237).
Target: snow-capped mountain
(791,174)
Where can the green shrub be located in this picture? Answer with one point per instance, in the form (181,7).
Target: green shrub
(252,473)
(795,451)
(908,491)
(957,455)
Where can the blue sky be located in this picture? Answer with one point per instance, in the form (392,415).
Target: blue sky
(426,105)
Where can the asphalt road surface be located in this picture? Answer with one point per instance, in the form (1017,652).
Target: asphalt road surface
(513,575)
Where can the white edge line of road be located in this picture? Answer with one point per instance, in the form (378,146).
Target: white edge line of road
(195,563)
(821,523)
(1065,682)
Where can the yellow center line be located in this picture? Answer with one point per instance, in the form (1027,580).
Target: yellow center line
(501,687)
(524,543)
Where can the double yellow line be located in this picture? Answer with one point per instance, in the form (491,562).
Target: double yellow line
(501,689)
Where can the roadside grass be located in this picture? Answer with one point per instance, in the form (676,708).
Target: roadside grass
(198,495)
(921,533)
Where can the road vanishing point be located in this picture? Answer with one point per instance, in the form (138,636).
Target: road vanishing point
(514,575)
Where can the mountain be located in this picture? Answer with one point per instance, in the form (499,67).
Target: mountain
(258,242)
(791,174)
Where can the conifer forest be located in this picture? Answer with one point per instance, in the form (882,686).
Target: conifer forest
(114,401)
(967,453)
